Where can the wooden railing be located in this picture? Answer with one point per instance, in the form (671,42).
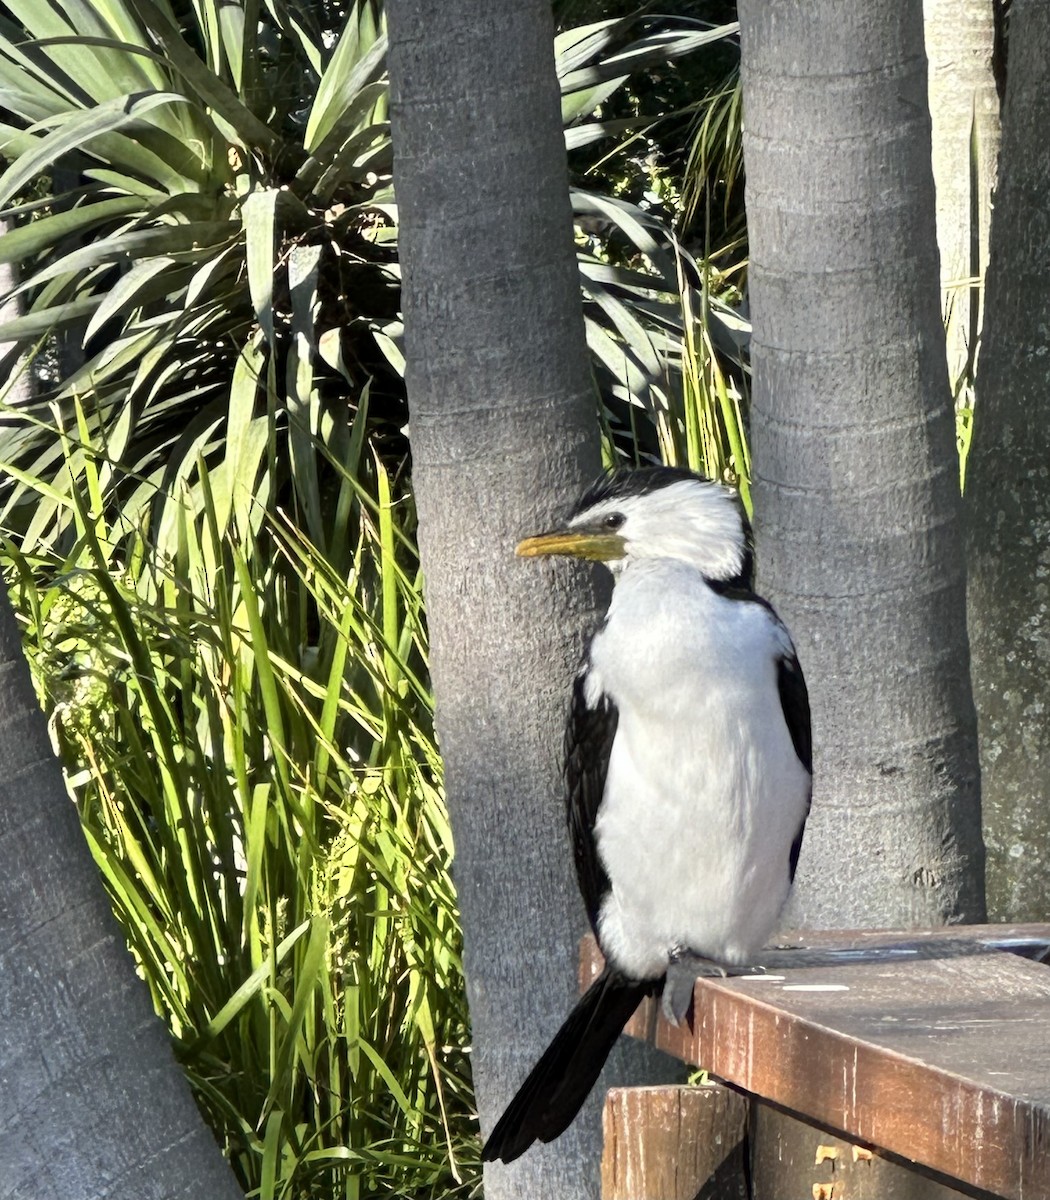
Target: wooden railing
(930,1048)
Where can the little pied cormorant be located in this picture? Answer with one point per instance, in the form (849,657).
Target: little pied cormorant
(688,762)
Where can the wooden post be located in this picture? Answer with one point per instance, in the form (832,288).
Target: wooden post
(675,1143)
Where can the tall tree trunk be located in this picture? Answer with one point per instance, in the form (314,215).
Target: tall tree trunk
(856,478)
(503,429)
(1008,493)
(94,1104)
(964,107)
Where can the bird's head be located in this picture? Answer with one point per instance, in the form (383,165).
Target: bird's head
(655,512)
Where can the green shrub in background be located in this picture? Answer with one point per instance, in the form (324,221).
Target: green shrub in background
(208,528)
(256,772)
(227,256)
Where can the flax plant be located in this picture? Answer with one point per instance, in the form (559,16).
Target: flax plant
(223,272)
(253,758)
(706,430)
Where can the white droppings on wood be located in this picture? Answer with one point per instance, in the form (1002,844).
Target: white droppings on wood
(815,987)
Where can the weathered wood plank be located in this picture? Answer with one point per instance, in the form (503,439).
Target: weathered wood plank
(674,1143)
(942,1061)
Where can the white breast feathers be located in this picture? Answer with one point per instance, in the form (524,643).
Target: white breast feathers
(705,792)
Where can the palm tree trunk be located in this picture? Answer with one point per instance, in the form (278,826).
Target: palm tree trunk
(94,1104)
(856,481)
(503,431)
(857,488)
(1008,493)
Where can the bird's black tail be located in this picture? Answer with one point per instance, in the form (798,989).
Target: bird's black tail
(559,1083)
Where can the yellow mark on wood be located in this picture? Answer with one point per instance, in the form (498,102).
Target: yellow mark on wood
(827,1191)
(862,1154)
(826,1152)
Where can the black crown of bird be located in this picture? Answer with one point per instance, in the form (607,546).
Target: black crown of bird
(688,765)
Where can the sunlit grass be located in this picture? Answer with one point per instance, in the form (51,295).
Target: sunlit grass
(253,758)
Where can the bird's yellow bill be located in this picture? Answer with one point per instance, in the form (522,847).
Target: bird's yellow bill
(598,547)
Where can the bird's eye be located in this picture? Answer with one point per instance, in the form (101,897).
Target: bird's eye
(613,521)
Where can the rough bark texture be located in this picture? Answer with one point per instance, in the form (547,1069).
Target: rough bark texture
(503,434)
(856,478)
(964,106)
(94,1104)
(1008,493)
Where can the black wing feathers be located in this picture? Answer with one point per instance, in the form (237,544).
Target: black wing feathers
(794,700)
(560,1082)
(588,743)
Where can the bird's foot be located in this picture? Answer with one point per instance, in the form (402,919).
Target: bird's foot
(683,970)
